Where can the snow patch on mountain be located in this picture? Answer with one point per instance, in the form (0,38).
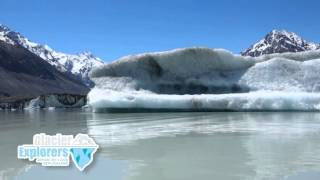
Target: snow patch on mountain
(4,31)
(76,64)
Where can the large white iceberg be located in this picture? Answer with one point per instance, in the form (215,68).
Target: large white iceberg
(202,79)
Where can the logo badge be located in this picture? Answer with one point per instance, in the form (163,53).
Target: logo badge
(57,150)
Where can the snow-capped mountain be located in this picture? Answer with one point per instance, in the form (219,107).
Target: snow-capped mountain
(76,64)
(280,41)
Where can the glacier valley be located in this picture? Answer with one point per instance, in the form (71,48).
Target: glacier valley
(203,79)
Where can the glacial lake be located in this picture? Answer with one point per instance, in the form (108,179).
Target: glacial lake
(171,146)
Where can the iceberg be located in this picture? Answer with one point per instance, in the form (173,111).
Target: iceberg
(203,79)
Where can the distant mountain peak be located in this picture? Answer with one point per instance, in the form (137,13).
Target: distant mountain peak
(4,28)
(280,41)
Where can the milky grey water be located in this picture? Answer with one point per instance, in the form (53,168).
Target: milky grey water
(172,146)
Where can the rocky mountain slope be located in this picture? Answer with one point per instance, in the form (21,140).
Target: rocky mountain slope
(78,65)
(24,75)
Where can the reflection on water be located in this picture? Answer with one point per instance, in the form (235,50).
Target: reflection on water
(174,145)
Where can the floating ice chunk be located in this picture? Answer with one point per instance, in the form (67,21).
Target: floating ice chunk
(284,75)
(201,79)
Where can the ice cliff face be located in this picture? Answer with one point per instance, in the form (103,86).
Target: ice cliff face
(208,79)
(280,41)
(78,65)
(57,101)
(51,101)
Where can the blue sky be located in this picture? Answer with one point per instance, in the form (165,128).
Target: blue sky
(114,28)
